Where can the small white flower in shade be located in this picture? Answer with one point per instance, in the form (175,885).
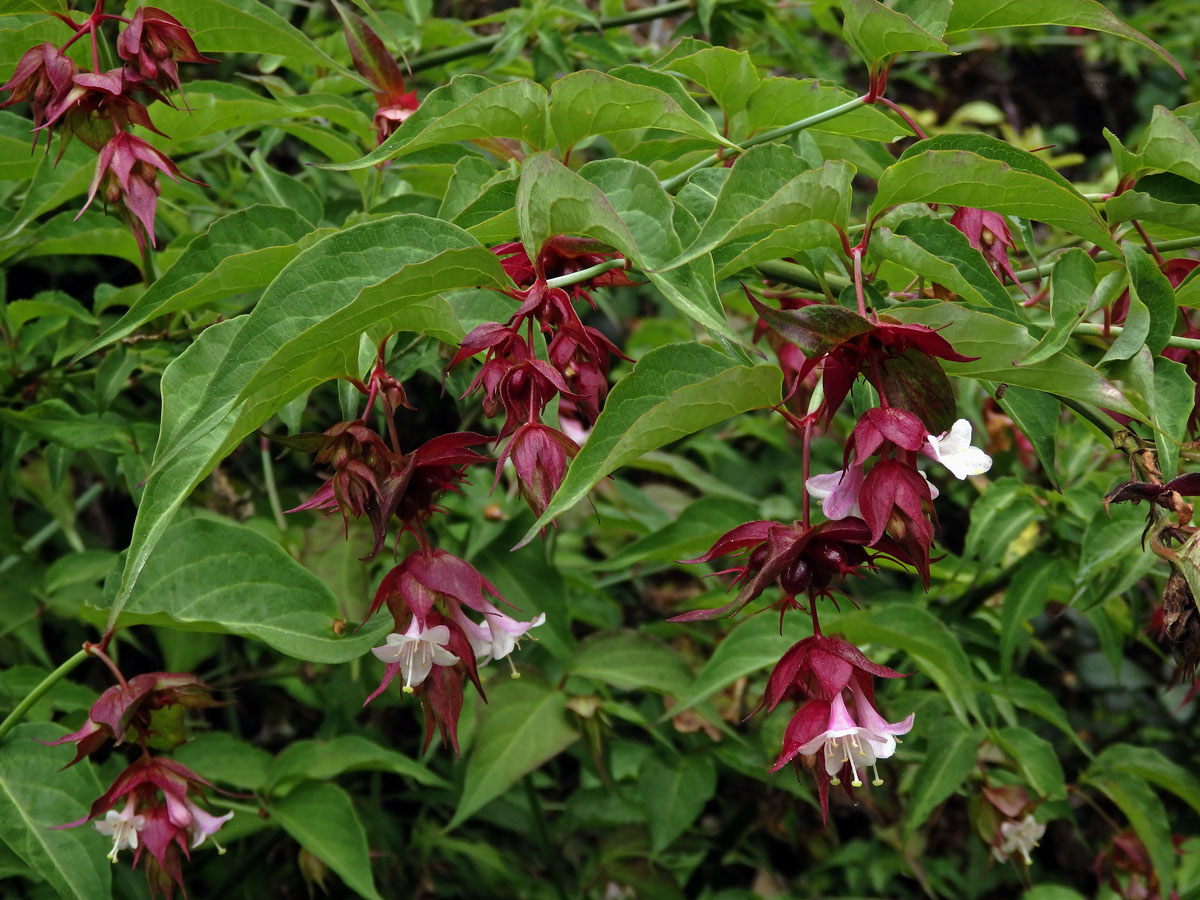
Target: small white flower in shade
(417,652)
(122,827)
(954,451)
(1018,837)
(204,825)
(507,633)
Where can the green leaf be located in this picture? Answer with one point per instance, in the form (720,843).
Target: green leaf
(220,757)
(1036,759)
(782,101)
(1052,892)
(247,26)
(373,279)
(949,762)
(523,725)
(1147,207)
(1109,539)
(930,644)
(673,391)
(325,760)
(321,818)
(551,200)
(1170,394)
(629,660)
(1034,698)
(696,527)
(1072,283)
(767,188)
(1150,765)
(53,182)
(998,343)
(994,149)
(674,792)
(1170,146)
(1145,813)
(1024,599)
(215,575)
(57,422)
(877,32)
(589,103)
(1036,413)
(470,107)
(753,644)
(727,75)
(1151,287)
(980,15)
(35,796)
(935,249)
(965,178)
(240,252)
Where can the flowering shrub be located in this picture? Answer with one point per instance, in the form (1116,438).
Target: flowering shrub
(457,279)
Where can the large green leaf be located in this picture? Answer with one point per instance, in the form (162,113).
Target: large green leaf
(673,391)
(36,795)
(247,26)
(728,75)
(877,32)
(979,15)
(552,200)
(674,792)
(321,818)
(965,178)
(1072,283)
(1152,766)
(1145,813)
(628,660)
(999,343)
(949,762)
(470,107)
(781,101)
(1037,760)
(929,643)
(523,725)
(240,252)
(768,189)
(374,279)
(215,575)
(323,760)
(752,645)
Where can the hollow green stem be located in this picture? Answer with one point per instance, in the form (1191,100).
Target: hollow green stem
(584,274)
(485,45)
(677,181)
(1088,328)
(35,695)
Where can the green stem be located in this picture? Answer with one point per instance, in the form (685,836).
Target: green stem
(1087,328)
(677,181)
(264,447)
(584,274)
(790,273)
(35,695)
(49,529)
(485,45)
(1184,243)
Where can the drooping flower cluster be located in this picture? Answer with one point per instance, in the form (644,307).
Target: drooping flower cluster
(161,812)
(100,108)
(516,381)
(435,643)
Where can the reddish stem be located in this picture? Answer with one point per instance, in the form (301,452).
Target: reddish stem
(804,461)
(917,129)
(1149,243)
(97,650)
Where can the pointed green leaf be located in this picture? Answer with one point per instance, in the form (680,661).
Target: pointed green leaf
(768,189)
(1072,283)
(1150,765)
(214,575)
(672,392)
(998,343)
(877,32)
(322,760)
(1145,812)
(948,764)
(992,148)
(1024,599)
(248,26)
(980,15)
(35,796)
(1151,287)
(963,178)
(470,107)
(781,101)
(321,818)
(674,792)
(240,252)
(728,75)
(1153,201)
(1036,414)
(589,103)
(1170,395)
(523,725)
(629,660)
(1036,759)
(554,200)
(1170,146)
